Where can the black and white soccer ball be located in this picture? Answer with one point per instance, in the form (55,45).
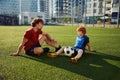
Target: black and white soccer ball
(68,51)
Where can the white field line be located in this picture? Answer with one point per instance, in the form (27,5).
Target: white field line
(90,35)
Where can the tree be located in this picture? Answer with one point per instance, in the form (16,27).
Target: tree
(98,20)
(66,20)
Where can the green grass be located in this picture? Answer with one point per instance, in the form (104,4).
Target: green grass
(101,65)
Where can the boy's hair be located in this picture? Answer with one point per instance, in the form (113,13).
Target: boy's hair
(36,21)
(81,28)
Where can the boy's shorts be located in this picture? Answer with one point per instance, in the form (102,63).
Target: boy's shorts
(31,50)
(76,51)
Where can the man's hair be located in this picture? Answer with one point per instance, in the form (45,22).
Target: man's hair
(36,21)
(81,28)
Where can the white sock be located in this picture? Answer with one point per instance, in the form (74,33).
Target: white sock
(79,55)
(60,51)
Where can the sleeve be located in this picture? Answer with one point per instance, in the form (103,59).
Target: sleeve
(27,35)
(40,32)
(87,40)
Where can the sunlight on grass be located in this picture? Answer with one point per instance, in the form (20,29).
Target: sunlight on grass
(101,65)
(94,65)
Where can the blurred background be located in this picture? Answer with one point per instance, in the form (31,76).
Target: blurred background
(21,12)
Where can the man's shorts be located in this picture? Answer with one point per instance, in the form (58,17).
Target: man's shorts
(31,50)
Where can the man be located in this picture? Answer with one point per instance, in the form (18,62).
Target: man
(31,41)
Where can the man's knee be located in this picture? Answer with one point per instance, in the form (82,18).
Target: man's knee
(38,50)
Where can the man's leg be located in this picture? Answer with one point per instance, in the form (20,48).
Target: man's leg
(60,50)
(53,55)
(46,38)
(39,50)
(42,39)
(51,42)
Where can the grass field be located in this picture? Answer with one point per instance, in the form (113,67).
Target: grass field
(101,65)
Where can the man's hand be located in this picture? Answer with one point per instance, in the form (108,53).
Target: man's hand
(14,54)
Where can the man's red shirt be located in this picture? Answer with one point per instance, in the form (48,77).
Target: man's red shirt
(32,37)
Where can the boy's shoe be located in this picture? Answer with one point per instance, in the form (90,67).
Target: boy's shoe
(52,55)
(74,60)
(56,49)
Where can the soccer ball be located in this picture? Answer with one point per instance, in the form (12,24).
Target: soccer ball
(68,51)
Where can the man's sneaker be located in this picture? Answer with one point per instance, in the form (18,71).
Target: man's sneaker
(46,50)
(56,49)
(74,60)
(52,55)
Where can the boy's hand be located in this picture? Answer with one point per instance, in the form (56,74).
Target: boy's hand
(93,50)
(14,54)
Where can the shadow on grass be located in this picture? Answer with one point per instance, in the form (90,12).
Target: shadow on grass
(94,66)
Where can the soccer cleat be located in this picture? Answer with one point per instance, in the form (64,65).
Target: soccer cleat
(56,49)
(52,55)
(74,60)
(46,50)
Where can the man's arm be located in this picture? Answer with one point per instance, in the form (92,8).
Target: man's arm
(47,36)
(19,47)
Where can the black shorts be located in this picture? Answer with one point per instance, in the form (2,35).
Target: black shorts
(76,51)
(31,50)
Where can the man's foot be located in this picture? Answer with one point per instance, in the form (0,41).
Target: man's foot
(56,49)
(52,55)
(74,60)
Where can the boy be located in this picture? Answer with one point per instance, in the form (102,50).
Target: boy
(31,42)
(81,42)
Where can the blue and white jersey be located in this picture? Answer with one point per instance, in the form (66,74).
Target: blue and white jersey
(81,42)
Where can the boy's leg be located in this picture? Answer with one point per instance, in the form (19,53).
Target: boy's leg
(78,56)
